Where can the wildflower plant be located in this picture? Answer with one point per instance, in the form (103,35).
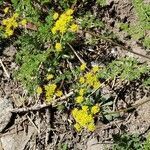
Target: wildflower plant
(86,109)
(64,26)
(10,23)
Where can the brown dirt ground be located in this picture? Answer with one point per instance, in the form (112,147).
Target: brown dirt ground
(25,127)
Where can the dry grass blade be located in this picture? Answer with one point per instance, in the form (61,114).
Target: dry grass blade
(6,72)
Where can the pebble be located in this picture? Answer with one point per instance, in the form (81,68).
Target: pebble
(5,114)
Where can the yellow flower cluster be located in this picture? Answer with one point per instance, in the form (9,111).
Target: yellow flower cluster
(85,118)
(58,47)
(6,10)
(10,24)
(63,22)
(74,27)
(50,91)
(90,78)
(82,91)
(79,99)
(83,67)
(95,109)
(39,90)
(49,76)
(23,22)
(55,16)
(59,93)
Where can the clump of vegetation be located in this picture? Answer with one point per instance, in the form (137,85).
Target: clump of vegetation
(86,106)
(126,69)
(132,142)
(49,67)
(35,49)
(101,2)
(146,143)
(141,29)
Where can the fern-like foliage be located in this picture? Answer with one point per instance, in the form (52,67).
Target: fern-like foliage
(125,69)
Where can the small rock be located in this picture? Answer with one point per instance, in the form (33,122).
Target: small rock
(9,51)
(17,141)
(5,115)
(93,144)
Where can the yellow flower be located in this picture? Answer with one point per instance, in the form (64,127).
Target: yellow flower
(81,80)
(91,127)
(6,10)
(9,32)
(58,47)
(96,85)
(79,99)
(55,16)
(95,109)
(49,77)
(23,22)
(39,90)
(81,92)
(16,15)
(95,68)
(83,118)
(74,112)
(89,76)
(85,108)
(83,66)
(63,29)
(77,127)
(10,24)
(50,90)
(54,29)
(4,22)
(69,12)
(59,93)
(62,24)
(74,27)
(14,24)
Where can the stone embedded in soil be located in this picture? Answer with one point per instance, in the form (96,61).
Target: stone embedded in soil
(9,51)
(5,114)
(93,144)
(140,123)
(19,141)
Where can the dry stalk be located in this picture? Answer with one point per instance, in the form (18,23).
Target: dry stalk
(40,106)
(6,72)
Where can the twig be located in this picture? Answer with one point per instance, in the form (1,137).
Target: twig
(33,124)
(127,109)
(115,101)
(71,68)
(8,76)
(80,59)
(117,44)
(40,106)
(48,124)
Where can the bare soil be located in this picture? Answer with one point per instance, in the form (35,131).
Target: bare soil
(32,130)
